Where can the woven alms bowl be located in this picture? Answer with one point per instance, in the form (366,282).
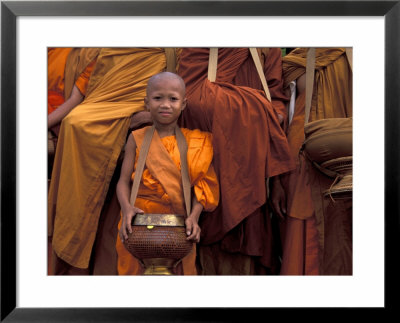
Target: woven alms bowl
(159,242)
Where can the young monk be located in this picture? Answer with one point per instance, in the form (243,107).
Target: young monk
(90,142)
(158,191)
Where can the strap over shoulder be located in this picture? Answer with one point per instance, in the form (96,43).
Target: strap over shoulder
(260,71)
(212,64)
(144,149)
(349,55)
(170,59)
(310,70)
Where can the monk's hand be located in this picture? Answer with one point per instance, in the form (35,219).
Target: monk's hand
(140,119)
(280,118)
(192,229)
(278,198)
(126,225)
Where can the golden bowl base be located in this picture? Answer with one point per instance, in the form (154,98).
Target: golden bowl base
(159,266)
(158,271)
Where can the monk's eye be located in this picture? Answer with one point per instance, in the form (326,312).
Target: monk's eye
(174,99)
(156,98)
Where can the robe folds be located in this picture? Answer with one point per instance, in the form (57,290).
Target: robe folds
(321,227)
(91,138)
(56,60)
(249,145)
(161,190)
(68,67)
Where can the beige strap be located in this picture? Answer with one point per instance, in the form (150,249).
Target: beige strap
(212,64)
(349,55)
(260,71)
(310,70)
(144,149)
(182,146)
(170,59)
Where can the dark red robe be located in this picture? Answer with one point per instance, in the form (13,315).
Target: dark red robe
(249,143)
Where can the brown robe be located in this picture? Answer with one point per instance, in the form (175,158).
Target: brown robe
(249,146)
(318,237)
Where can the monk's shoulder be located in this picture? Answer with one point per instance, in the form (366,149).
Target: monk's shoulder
(138,134)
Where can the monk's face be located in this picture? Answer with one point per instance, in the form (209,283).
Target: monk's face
(165,99)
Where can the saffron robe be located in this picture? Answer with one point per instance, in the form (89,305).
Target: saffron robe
(249,146)
(90,142)
(318,234)
(161,190)
(56,60)
(67,67)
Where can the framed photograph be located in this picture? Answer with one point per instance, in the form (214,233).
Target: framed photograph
(371,28)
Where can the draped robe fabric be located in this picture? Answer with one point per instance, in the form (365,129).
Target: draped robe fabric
(161,190)
(67,67)
(318,233)
(56,60)
(249,146)
(90,142)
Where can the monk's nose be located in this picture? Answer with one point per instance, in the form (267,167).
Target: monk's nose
(164,103)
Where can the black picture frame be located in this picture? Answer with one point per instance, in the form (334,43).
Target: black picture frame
(10,10)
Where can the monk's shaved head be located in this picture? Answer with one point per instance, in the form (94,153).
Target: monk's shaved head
(165,76)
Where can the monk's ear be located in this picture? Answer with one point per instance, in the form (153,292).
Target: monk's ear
(184,102)
(146,102)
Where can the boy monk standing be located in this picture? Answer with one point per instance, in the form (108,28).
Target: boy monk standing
(160,190)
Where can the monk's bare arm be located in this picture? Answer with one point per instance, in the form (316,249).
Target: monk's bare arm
(124,182)
(124,189)
(59,114)
(192,227)
(278,198)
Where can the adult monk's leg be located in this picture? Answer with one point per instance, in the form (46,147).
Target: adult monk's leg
(293,248)
(60,267)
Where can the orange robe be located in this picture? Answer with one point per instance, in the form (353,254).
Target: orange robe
(318,231)
(66,67)
(249,146)
(58,58)
(160,190)
(91,139)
